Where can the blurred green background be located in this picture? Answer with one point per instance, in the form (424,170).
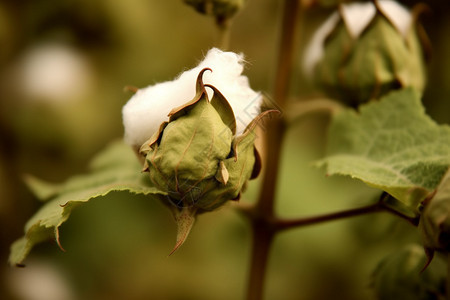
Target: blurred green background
(63,67)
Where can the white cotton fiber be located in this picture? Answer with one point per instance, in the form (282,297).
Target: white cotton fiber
(149,107)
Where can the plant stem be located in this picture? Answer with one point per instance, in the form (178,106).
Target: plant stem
(283,224)
(379,206)
(261,241)
(261,214)
(413,221)
(223,26)
(277,224)
(276,127)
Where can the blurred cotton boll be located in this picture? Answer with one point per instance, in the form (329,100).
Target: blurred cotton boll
(54,73)
(150,106)
(39,281)
(356,17)
(343,60)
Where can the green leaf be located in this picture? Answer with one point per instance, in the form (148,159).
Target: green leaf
(392,145)
(115,169)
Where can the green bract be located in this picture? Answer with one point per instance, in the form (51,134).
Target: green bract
(197,160)
(381,58)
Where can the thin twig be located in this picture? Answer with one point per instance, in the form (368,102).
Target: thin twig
(275,224)
(223,25)
(412,220)
(282,224)
(379,206)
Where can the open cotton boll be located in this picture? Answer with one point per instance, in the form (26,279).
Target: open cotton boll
(150,106)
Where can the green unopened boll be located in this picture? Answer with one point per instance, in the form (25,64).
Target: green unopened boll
(195,157)
(196,145)
(366,50)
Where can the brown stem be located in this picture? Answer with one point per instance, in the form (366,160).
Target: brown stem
(276,127)
(412,220)
(261,214)
(262,239)
(379,206)
(223,25)
(276,224)
(283,224)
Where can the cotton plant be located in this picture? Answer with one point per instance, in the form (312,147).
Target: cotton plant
(190,143)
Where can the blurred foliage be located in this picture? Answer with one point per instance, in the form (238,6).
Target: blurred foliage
(121,252)
(400,276)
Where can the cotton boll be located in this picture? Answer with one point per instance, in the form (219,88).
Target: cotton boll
(55,73)
(196,159)
(356,17)
(149,107)
(344,61)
